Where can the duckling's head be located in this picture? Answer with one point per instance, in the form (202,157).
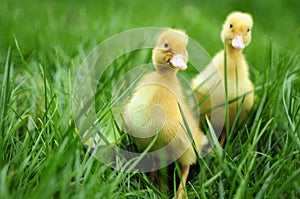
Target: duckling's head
(170,50)
(236,30)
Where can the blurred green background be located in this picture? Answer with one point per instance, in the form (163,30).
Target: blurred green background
(43,25)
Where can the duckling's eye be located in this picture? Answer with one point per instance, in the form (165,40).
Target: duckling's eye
(166,45)
(248,30)
(231,25)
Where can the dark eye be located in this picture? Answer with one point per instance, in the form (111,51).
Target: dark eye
(231,25)
(166,45)
(248,30)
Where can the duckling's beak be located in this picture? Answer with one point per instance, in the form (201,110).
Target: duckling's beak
(178,62)
(238,42)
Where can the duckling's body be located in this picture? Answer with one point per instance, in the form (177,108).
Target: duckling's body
(154,107)
(236,34)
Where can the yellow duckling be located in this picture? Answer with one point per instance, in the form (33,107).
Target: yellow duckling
(154,108)
(236,35)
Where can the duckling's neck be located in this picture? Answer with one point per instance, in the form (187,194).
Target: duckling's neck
(236,62)
(165,70)
(233,52)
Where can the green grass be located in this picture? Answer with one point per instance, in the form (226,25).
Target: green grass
(42,45)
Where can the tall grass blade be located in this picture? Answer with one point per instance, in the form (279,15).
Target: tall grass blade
(227,124)
(5,94)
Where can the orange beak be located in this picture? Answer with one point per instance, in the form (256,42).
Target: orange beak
(178,62)
(238,42)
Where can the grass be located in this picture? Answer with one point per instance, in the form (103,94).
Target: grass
(42,45)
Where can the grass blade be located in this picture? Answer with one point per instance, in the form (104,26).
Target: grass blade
(5,94)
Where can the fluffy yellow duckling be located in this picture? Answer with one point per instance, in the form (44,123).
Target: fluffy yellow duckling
(154,108)
(236,35)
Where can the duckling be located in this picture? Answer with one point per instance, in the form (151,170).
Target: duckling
(236,35)
(154,107)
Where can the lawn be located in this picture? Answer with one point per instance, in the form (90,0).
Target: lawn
(42,47)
